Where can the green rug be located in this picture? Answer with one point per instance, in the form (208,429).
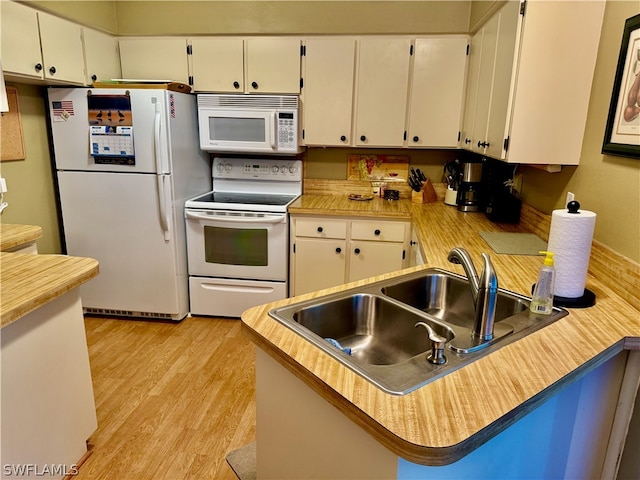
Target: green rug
(514,243)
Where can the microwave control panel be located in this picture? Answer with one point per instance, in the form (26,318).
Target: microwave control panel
(287,131)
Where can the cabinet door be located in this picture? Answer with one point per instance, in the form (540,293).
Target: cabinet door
(20,41)
(273,65)
(503,79)
(158,58)
(437,90)
(218,64)
(383,77)
(327,91)
(367,259)
(473,80)
(101,54)
(485,78)
(62,52)
(318,264)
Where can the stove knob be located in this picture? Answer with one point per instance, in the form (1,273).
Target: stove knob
(228,167)
(275,169)
(220,167)
(292,169)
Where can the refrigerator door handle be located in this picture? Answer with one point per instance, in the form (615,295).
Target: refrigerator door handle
(165,206)
(157,144)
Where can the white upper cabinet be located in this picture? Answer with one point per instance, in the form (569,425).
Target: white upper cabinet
(327,92)
(101,56)
(273,65)
(155,58)
(381,93)
(217,64)
(40,46)
(437,91)
(258,65)
(530,77)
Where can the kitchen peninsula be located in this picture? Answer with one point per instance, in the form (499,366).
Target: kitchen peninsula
(543,405)
(48,408)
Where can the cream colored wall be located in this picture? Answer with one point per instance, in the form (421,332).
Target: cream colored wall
(605,184)
(30,191)
(100,14)
(291,17)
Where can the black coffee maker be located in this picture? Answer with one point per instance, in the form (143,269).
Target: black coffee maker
(470,189)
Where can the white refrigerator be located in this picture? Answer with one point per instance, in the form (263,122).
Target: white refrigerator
(126,160)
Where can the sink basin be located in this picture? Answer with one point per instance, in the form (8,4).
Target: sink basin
(377,323)
(447,297)
(377,331)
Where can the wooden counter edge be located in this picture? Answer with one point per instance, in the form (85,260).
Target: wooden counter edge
(421,454)
(18,235)
(89,269)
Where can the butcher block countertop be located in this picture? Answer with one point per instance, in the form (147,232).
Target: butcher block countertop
(29,281)
(448,418)
(12,236)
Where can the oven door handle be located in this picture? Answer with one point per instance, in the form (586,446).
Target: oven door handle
(214,218)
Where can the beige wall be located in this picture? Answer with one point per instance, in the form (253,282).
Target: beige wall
(291,17)
(99,14)
(607,185)
(30,191)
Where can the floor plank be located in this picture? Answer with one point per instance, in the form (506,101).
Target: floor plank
(172,399)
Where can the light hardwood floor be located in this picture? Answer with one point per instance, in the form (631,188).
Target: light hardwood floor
(172,398)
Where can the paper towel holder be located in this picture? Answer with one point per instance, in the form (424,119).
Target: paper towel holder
(588,299)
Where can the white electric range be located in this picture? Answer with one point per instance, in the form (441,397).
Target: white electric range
(238,235)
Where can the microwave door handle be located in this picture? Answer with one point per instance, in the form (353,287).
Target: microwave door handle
(274,129)
(213,218)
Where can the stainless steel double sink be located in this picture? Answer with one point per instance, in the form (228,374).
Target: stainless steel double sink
(375,324)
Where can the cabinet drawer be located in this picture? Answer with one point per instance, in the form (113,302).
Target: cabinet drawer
(321,228)
(379,231)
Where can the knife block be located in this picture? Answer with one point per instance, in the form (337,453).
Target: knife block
(426,195)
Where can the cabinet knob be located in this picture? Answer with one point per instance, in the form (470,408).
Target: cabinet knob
(236,85)
(254,85)
(343,138)
(357,251)
(94,77)
(319,229)
(377,232)
(483,144)
(416,138)
(467,140)
(363,138)
(338,250)
(411,242)
(38,67)
(52,70)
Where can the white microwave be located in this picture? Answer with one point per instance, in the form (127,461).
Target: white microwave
(248,123)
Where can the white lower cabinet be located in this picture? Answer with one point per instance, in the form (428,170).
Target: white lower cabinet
(329,251)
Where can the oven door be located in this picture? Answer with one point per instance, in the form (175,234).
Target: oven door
(247,245)
(237,130)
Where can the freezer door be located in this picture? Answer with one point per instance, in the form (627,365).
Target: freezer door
(149,114)
(117,218)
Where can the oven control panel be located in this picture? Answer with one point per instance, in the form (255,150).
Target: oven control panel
(263,169)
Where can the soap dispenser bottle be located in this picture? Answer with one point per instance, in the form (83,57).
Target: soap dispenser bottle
(542,302)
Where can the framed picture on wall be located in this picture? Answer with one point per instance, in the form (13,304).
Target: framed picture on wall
(622,134)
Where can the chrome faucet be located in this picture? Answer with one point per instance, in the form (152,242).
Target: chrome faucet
(484,291)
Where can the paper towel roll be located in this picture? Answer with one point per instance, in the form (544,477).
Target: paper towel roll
(570,239)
